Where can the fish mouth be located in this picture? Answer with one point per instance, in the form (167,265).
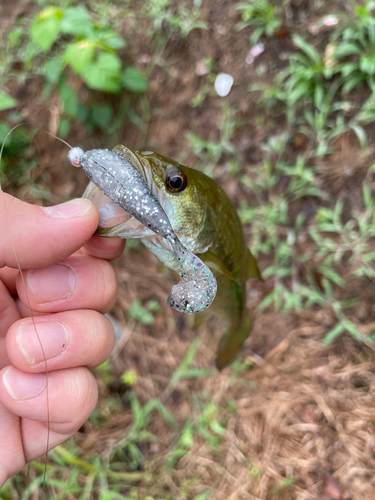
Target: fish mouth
(136,161)
(140,163)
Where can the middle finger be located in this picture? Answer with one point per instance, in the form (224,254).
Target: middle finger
(78,282)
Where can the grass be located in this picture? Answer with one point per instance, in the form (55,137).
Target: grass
(168,426)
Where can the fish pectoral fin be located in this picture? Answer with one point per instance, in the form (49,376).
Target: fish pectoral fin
(231,342)
(252,268)
(132,228)
(215,264)
(92,191)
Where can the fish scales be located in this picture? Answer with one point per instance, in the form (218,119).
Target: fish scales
(123,184)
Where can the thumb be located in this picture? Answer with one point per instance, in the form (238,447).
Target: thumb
(42,236)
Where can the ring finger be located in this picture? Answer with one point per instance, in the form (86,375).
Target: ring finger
(78,282)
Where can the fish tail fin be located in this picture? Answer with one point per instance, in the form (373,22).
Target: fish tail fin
(232,341)
(253,271)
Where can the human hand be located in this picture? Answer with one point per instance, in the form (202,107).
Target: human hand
(69,290)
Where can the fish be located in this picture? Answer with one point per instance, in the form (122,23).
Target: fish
(207,224)
(123,185)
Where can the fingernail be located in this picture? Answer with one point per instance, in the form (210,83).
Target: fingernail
(52,283)
(70,209)
(52,336)
(21,385)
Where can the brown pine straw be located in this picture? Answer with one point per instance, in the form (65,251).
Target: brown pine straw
(304,411)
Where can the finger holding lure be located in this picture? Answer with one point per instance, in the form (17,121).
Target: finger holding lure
(118,179)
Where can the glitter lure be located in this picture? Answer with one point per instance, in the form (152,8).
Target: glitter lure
(120,181)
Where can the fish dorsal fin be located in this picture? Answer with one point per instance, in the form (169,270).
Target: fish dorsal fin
(252,268)
(215,264)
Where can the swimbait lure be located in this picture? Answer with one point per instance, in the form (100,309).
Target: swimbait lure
(123,184)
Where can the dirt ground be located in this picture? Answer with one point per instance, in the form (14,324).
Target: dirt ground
(305,425)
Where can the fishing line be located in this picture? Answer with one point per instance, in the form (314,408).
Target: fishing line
(2,201)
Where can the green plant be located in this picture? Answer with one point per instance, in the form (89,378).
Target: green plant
(17,163)
(6,101)
(276,185)
(210,152)
(353,239)
(260,14)
(70,38)
(144,314)
(355,47)
(306,75)
(206,425)
(305,279)
(326,120)
(169,17)
(307,90)
(70,475)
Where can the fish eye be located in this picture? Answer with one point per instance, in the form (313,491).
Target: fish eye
(176,181)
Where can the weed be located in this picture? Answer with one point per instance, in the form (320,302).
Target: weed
(17,163)
(314,245)
(355,47)
(210,152)
(306,74)
(260,14)
(144,314)
(65,41)
(172,18)
(275,232)
(6,101)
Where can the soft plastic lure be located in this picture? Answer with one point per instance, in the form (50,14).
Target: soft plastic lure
(122,183)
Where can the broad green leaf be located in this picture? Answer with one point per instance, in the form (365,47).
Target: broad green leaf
(6,101)
(133,80)
(52,69)
(78,55)
(70,100)
(15,37)
(102,116)
(4,129)
(46,28)
(77,21)
(114,42)
(104,74)
(64,128)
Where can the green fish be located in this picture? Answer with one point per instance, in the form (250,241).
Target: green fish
(206,222)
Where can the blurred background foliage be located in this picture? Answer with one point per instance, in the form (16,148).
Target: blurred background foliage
(292,144)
